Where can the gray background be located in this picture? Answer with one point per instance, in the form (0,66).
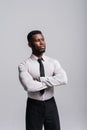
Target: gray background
(63,23)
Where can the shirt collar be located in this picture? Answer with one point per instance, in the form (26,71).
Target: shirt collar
(36,58)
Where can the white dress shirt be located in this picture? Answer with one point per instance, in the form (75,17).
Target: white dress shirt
(29,75)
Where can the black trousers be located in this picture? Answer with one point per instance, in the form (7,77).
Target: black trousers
(39,113)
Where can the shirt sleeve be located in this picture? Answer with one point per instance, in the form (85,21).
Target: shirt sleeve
(59,77)
(27,80)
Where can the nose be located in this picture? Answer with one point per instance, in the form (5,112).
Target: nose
(42,42)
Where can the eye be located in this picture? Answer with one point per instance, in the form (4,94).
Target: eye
(36,40)
(43,39)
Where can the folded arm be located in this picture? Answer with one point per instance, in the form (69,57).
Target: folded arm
(27,80)
(59,77)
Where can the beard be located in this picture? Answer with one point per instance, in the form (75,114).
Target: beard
(37,51)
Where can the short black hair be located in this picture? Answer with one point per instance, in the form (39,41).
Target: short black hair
(29,36)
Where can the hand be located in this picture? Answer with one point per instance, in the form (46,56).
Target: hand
(38,79)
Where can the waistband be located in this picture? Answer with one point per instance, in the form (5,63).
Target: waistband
(39,101)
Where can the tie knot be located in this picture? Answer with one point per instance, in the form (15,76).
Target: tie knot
(40,60)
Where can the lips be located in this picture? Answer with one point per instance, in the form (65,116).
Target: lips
(42,47)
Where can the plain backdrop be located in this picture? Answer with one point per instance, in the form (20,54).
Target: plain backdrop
(63,23)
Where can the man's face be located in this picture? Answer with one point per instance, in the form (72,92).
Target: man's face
(38,44)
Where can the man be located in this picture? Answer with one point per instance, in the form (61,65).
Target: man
(39,76)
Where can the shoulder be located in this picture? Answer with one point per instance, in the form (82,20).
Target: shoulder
(24,64)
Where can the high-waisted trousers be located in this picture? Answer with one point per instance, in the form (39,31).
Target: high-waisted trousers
(42,113)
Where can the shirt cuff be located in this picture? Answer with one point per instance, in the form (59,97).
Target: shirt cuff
(43,80)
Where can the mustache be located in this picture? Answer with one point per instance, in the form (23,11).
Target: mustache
(38,51)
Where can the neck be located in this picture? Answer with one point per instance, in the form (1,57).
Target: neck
(38,55)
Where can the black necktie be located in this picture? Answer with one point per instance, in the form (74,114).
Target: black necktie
(42,73)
